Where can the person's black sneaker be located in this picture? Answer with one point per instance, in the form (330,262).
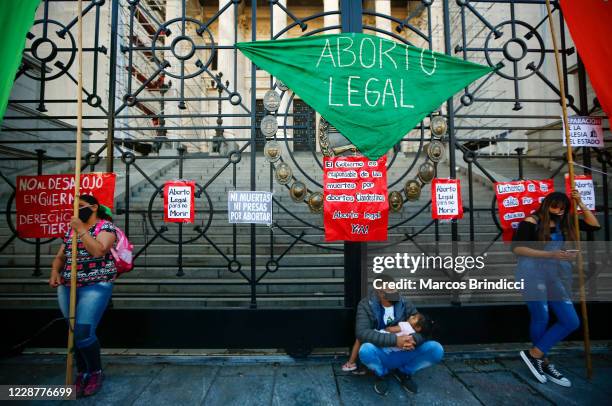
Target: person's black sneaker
(381,386)
(535,365)
(555,376)
(406,382)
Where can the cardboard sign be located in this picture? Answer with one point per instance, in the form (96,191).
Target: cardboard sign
(446,199)
(584,131)
(252,207)
(584,185)
(517,200)
(355,206)
(179,201)
(44,202)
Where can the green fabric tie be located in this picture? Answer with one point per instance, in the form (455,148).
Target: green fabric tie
(373,90)
(106,210)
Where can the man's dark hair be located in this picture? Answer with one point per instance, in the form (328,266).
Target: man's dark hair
(385,278)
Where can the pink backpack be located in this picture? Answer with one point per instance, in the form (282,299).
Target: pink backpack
(122,251)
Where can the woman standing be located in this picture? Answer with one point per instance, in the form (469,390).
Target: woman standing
(95,275)
(544,263)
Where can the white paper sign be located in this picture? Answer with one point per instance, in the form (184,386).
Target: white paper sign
(446,199)
(584,186)
(179,201)
(584,132)
(249,207)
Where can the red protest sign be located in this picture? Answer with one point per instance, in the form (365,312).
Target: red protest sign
(517,200)
(355,206)
(44,202)
(446,199)
(584,185)
(179,201)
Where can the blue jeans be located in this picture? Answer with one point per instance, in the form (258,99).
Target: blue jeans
(545,338)
(383,360)
(90,305)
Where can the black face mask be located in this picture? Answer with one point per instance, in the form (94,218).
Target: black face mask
(392,296)
(556,217)
(85,213)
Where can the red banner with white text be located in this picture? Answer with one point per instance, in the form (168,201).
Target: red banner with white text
(517,200)
(355,206)
(44,202)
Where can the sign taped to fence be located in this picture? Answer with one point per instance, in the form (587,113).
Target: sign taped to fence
(584,131)
(446,201)
(584,185)
(246,206)
(44,202)
(517,200)
(355,206)
(179,201)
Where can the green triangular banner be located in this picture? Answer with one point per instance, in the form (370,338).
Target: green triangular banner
(16,18)
(373,90)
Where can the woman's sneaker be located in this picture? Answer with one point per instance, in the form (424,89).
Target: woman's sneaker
(94,383)
(535,365)
(555,376)
(81,381)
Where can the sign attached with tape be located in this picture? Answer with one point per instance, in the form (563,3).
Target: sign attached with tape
(252,207)
(585,131)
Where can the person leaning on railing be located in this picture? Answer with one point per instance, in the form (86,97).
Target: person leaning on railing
(96,273)
(544,264)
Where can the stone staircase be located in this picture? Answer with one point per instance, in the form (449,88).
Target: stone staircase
(310,272)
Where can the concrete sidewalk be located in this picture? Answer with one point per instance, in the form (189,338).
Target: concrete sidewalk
(278,380)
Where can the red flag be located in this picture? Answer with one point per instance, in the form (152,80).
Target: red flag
(589,24)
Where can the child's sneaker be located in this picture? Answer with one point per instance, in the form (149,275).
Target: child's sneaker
(94,383)
(349,366)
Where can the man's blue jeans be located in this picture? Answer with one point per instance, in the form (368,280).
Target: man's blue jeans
(383,360)
(90,305)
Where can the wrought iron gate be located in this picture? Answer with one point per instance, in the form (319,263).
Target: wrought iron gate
(176,105)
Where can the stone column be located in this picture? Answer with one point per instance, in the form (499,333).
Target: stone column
(234,72)
(328,21)
(279,22)
(173,10)
(331,20)
(383,7)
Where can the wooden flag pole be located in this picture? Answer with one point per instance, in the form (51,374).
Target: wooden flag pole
(570,163)
(77,191)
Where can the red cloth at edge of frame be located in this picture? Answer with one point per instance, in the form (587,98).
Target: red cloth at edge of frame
(589,22)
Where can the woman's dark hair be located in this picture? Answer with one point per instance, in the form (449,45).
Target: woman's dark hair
(555,200)
(100,212)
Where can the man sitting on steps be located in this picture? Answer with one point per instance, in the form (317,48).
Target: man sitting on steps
(381,309)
